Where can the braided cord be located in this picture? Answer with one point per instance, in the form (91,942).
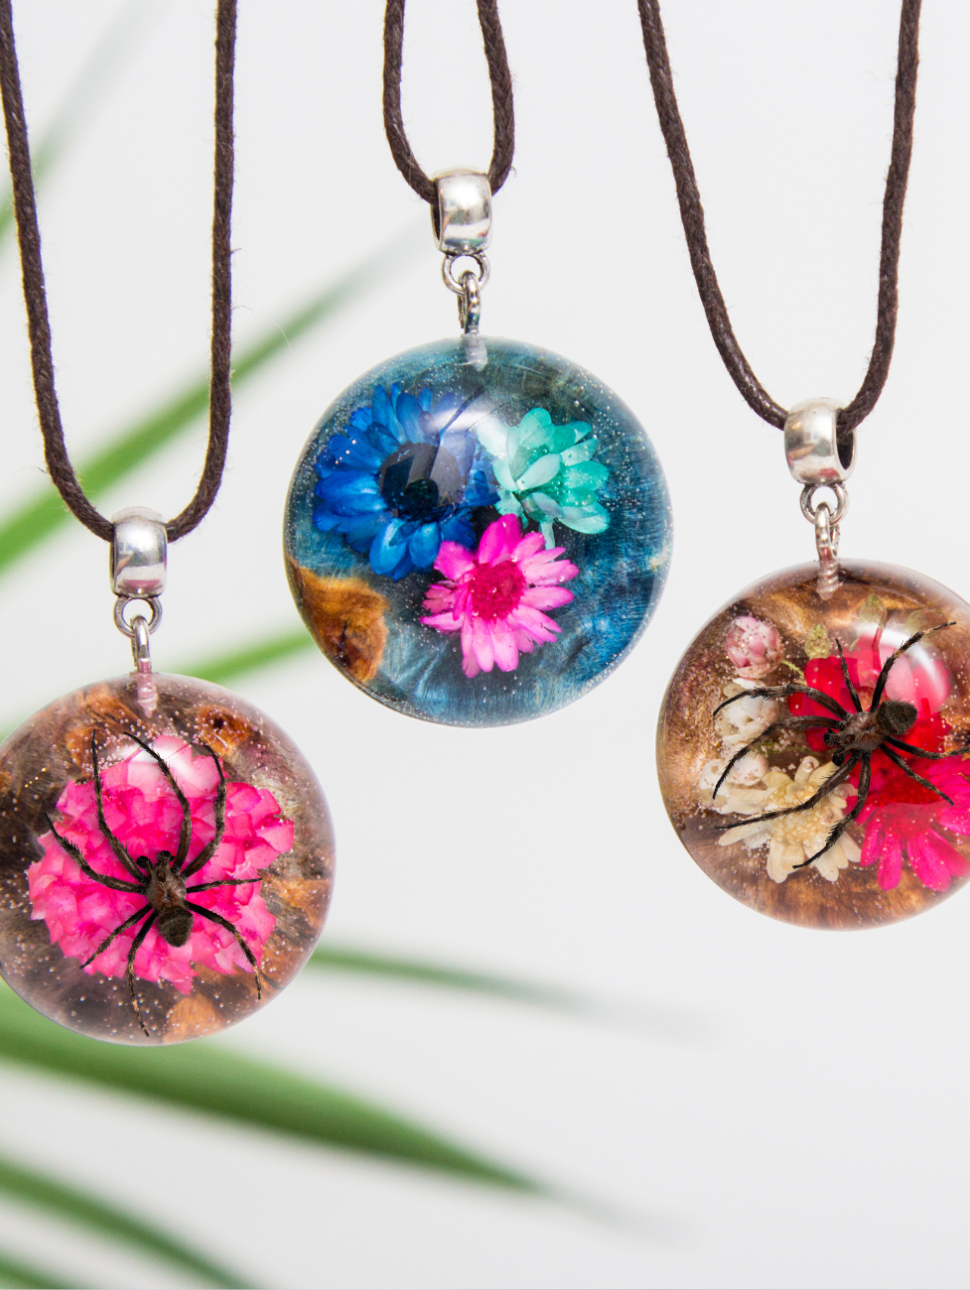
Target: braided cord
(692,217)
(503,114)
(35,296)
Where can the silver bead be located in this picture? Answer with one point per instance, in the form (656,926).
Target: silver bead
(138,554)
(811,444)
(463,219)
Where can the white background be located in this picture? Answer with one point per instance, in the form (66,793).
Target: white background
(785,1107)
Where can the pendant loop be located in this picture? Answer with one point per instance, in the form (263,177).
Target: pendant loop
(818,459)
(826,523)
(457,284)
(139,557)
(462,221)
(141,651)
(811,511)
(827,547)
(139,629)
(129,629)
(468,289)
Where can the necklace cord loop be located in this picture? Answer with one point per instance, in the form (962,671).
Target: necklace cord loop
(692,218)
(35,297)
(503,113)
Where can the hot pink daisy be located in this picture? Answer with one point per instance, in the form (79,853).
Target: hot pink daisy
(142,811)
(904,820)
(495,596)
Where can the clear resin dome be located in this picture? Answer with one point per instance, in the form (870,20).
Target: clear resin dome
(477,545)
(166,859)
(825,793)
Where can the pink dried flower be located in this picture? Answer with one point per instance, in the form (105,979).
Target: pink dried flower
(495,596)
(903,820)
(753,646)
(144,814)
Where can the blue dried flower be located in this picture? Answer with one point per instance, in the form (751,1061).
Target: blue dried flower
(404,476)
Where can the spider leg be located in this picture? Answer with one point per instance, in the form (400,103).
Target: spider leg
(223,882)
(898,761)
(843,824)
(224,922)
(833,781)
(117,846)
(135,946)
(920,752)
(884,674)
(185,833)
(783,692)
(848,683)
(786,723)
(209,850)
(74,852)
(122,927)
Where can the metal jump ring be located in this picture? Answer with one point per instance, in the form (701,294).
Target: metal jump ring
(456,284)
(129,630)
(141,651)
(841,499)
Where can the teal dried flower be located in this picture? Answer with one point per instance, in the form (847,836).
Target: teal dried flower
(546,472)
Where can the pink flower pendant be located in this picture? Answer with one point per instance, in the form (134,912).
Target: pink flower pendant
(812,751)
(166,859)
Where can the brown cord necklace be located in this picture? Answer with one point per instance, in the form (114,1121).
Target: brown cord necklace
(478,530)
(166,852)
(811,747)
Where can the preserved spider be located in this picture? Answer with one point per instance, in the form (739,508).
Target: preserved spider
(852,736)
(161,881)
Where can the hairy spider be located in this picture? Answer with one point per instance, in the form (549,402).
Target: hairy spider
(161,881)
(852,736)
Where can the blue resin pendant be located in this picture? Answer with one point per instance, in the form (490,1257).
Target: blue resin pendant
(477,543)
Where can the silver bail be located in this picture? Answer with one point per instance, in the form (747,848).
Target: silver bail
(817,460)
(462,219)
(812,447)
(139,555)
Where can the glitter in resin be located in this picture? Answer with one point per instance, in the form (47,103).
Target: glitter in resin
(272,866)
(909,847)
(407,506)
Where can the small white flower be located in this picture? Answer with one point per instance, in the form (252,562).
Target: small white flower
(793,838)
(744,720)
(741,792)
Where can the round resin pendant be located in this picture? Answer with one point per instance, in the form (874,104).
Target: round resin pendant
(823,794)
(166,859)
(477,543)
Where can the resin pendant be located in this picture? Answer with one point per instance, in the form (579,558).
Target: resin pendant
(166,853)
(477,542)
(825,793)
(478,530)
(166,859)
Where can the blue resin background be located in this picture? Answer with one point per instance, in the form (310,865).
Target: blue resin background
(621,570)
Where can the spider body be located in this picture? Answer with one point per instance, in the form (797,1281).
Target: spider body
(853,737)
(166,893)
(864,732)
(162,881)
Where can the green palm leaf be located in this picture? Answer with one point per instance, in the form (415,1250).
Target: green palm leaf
(336,958)
(222,668)
(22,1276)
(41,516)
(110,56)
(212,1078)
(661,1022)
(52,1196)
